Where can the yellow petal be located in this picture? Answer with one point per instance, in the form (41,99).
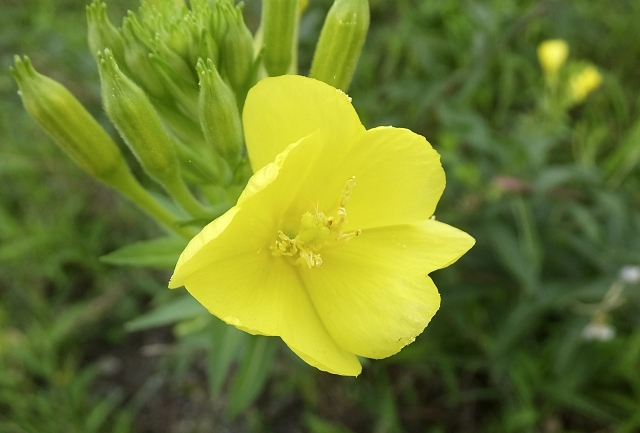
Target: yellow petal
(229,236)
(373,293)
(399,178)
(281,110)
(261,294)
(230,270)
(186,264)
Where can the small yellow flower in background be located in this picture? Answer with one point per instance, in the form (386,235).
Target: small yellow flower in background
(584,82)
(330,245)
(552,54)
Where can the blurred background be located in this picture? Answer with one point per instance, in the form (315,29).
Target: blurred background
(539,329)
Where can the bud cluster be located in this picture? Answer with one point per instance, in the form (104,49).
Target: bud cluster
(174,79)
(158,49)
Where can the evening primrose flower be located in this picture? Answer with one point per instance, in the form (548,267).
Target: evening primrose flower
(584,82)
(330,244)
(552,54)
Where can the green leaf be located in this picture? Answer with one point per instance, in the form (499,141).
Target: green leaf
(625,157)
(160,253)
(227,344)
(182,308)
(512,257)
(316,424)
(254,371)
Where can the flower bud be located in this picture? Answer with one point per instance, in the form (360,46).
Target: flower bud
(278,20)
(137,121)
(552,54)
(135,118)
(584,82)
(173,60)
(185,93)
(137,47)
(167,8)
(177,76)
(102,34)
(219,114)
(340,43)
(208,48)
(67,122)
(178,38)
(236,51)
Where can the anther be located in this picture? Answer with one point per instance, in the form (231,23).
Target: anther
(317,231)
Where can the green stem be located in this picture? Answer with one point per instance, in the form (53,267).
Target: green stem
(123,181)
(181,194)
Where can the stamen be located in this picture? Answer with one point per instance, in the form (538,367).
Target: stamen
(346,191)
(316,231)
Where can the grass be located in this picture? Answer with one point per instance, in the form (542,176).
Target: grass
(550,194)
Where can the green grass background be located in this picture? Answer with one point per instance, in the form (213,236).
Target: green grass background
(505,352)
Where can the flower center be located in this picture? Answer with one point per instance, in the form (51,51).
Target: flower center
(316,231)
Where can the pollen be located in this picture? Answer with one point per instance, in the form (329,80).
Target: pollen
(316,232)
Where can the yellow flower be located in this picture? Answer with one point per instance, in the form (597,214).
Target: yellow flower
(330,244)
(552,54)
(584,82)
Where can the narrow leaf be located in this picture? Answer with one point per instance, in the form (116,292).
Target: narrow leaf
(182,308)
(160,253)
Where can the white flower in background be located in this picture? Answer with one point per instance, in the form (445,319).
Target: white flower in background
(598,330)
(630,274)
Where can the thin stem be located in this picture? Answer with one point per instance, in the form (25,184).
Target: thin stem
(181,194)
(124,182)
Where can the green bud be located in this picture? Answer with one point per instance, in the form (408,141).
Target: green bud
(67,122)
(340,43)
(236,56)
(182,126)
(208,48)
(219,116)
(184,92)
(178,77)
(102,34)
(174,60)
(138,44)
(168,8)
(178,39)
(131,112)
(218,21)
(202,14)
(279,22)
